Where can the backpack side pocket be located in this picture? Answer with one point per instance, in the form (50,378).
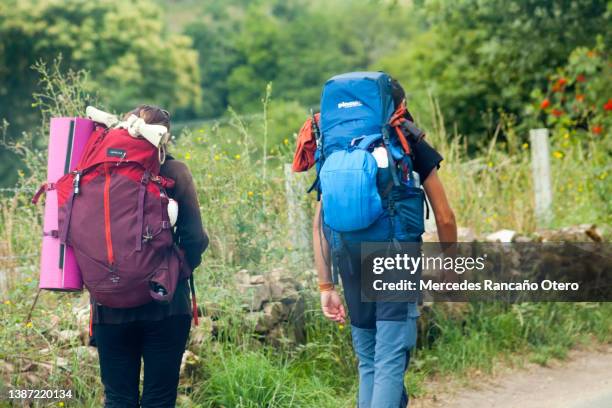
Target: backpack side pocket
(350,196)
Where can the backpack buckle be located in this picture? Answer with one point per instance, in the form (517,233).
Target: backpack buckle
(75,182)
(145,177)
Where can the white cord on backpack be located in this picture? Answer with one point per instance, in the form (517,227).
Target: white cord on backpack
(157,135)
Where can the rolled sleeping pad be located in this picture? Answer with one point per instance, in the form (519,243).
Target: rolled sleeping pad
(58,267)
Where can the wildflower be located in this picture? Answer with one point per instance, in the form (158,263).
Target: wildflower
(490,164)
(558,154)
(201,130)
(566,135)
(603,175)
(286,141)
(545,104)
(597,129)
(580,189)
(608,105)
(29,325)
(237,157)
(558,86)
(591,54)
(209,176)
(199,139)
(250,194)
(580,98)
(60,404)
(187,156)
(580,78)
(557,112)
(340,326)
(29,280)
(7,302)
(217,157)
(525,146)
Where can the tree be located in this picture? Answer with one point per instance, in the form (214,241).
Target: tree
(130,56)
(478,57)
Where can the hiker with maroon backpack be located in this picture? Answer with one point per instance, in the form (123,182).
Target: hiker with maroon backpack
(117,211)
(373,172)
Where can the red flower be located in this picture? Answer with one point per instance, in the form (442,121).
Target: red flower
(597,129)
(544,104)
(580,98)
(557,112)
(608,105)
(559,85)
(580,78)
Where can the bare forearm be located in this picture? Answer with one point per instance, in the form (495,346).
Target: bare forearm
(320,249)
(447,233)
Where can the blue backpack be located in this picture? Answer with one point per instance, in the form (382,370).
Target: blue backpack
(362,202)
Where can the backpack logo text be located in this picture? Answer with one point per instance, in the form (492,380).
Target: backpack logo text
(351,104)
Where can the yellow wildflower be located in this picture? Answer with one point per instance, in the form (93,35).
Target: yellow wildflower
(566,135)
(60,404)
(525,146)
(237,157)
(341,327)
(29,325)
(250,194)
(558,154)
(217,157)
(490,164)
(7,302)
(286,141)
(187,156)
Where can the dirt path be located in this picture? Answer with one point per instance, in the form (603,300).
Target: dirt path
(582,381)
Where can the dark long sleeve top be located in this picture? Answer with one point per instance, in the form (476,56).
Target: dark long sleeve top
(189,235)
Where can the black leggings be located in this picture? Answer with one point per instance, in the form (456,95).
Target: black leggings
(122,346)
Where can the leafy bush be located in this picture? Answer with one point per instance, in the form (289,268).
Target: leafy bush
(480,57)
(127,50)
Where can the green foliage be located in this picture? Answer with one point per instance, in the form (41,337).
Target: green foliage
(127,50)
(480,57)
(577,100)
(296,45)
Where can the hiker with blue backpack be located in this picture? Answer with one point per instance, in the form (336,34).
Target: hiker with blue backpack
(373,172)
(131,214)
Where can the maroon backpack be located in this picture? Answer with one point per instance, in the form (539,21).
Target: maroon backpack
(113,212)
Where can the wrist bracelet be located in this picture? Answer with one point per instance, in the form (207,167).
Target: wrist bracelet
(327,286)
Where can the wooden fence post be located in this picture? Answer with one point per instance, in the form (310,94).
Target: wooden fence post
(297,222)
(540,165)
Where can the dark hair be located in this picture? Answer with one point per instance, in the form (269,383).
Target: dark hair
(397,92)
(153,115)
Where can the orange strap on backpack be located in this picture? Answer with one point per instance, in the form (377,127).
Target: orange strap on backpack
(396,122)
